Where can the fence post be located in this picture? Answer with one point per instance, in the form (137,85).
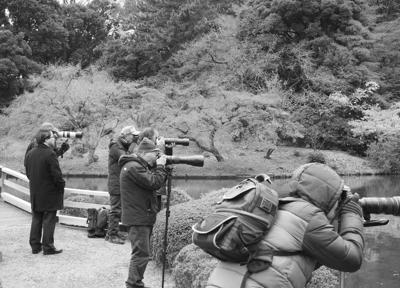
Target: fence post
(1,179)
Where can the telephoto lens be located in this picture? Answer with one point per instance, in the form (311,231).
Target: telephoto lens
(381,205)
(177,141)
(69,134)
(197,160)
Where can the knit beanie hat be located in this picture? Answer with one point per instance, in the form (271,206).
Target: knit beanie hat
(129,130)
(146,146)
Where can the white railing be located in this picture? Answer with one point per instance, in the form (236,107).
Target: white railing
(5,184)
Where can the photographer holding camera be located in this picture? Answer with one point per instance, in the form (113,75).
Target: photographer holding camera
(139,181)
(303,237)
(122,145)
(58,150)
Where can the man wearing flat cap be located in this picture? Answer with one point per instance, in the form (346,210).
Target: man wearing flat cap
(122,145)
(139,182)
(50,127)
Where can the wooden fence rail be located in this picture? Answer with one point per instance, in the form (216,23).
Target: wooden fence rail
(6,184)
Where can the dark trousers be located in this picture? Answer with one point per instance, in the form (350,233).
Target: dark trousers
(115,214)
(140,256)
(45,221)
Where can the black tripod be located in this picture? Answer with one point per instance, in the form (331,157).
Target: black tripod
(168,151)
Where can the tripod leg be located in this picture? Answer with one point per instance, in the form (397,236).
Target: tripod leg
(167,214)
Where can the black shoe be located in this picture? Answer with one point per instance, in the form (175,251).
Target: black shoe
(52,252)
(37,250)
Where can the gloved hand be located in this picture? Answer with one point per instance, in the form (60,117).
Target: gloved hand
(64,147)
(349,204)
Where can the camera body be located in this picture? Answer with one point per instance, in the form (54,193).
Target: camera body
(70,134)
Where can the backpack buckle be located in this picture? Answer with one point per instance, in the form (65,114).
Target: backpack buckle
(268,206)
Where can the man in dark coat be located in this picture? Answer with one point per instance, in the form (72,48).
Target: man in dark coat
(123,145)
(46,187)
(139,182)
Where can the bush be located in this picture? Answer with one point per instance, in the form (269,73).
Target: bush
(192,267)
(77,212)
(386,154)
(178,196)
(324,278)
(316,157)
(182,218)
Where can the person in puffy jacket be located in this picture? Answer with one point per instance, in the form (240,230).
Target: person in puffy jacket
(122,145)
(139,182)
(303,237)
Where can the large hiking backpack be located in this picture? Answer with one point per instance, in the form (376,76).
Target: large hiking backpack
(241,219)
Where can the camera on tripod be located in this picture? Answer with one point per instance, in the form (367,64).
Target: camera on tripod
(196,160)
(177,141)
(70,134)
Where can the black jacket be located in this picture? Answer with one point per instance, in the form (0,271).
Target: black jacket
(45,179)
(117,149)
(138,190)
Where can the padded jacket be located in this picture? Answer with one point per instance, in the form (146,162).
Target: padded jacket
(301,226)
(138,190)
(117,149)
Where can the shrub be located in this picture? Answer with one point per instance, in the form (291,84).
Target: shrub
(177,196)
(182,218)
(77,212)
(296,153)
(316,157)
(386,154)
(324,278)
(192,267)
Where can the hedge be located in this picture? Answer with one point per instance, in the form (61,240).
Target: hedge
(182,218)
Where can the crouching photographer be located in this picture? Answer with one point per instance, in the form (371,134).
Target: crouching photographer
(303,237)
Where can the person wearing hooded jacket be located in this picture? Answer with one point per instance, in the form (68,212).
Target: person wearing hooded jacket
(122,145)
(303,229)
(139,182)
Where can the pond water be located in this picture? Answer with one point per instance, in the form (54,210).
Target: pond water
(381,266)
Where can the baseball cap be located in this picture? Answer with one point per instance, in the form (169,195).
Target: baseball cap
(129,130)
(49,127)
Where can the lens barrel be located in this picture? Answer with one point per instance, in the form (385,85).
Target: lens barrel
(197,160)
(70,134)
(381,205)
(177,141)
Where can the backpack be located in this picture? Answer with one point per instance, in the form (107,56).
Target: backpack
(102,222)
(97,221)
(91,221)
(232,232)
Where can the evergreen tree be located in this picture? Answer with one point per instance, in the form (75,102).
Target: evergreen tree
(315,39)
(15,66)
(161,27)
(41,25)
(88,26)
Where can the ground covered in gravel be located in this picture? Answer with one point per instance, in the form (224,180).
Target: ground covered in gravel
(84,263)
